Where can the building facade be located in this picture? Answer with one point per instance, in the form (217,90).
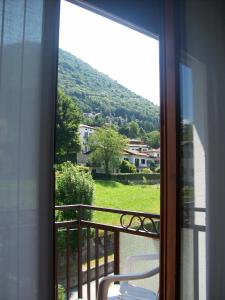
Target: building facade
(137,152)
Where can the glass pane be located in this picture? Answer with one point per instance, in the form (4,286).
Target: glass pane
(107,152)
(141,246)
(201,79)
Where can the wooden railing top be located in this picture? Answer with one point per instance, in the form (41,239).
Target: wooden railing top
(106,209)
(132,222)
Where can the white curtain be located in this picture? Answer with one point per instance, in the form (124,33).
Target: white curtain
(28,57)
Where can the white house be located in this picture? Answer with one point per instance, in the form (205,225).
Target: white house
(154,154)
(139,159)
(138,145)
(85,131)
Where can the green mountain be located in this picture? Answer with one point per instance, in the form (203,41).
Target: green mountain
(102,99)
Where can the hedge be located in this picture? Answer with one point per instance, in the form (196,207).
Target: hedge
(129,177)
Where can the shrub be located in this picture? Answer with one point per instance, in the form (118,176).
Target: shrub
(73,186)
(153,165)
(83,169)
(157,170)
(146,171)
(61,292)
(127,167)
(65,165)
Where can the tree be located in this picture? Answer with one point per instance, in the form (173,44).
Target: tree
(124,130)
(107,146)
(127,167)
(68,118)
(153,139)
(131,130)
(134,130)
(142,133)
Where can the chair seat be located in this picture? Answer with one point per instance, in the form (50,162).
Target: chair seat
(129,292)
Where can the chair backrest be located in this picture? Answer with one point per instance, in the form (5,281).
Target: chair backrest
(135,245)
(135,290)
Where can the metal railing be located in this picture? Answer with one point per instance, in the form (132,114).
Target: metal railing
(90,237)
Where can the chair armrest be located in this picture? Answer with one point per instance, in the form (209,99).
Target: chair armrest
(106,281)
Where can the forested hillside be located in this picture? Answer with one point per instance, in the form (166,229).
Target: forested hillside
(101,99)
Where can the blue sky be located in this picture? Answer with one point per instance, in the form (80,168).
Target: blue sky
(124,54)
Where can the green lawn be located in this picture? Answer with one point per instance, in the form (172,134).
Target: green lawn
(113,194)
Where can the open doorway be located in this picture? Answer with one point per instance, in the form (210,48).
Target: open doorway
(107,153)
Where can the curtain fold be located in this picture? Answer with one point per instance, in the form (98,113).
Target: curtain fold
(28,68)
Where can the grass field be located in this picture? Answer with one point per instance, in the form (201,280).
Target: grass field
(145,198)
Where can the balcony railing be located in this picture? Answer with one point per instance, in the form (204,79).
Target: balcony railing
(95,251)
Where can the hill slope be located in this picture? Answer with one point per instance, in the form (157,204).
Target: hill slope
(101,98)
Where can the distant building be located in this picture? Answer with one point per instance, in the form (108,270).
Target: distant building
(138,145)
(91,115)
(139,159)
(85,131)
(155,155)
(137,152)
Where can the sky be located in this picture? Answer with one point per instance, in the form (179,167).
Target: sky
(124,54)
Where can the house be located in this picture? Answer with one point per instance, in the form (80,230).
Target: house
(139,159)
(138,145)
(137,153)
(154,154)
(85,131)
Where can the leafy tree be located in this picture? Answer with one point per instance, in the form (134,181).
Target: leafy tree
(142,133)
(131,130)
(153,139)
(127,167)
(124,130)
(107,146)
(134,129)
(68,117)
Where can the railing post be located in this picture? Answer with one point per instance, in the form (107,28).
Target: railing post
(105,252)
(80,224)
(67,264)
(116,252)
(96,259)
(56,264)
(79,254)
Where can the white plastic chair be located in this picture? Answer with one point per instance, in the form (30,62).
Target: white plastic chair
(126,291)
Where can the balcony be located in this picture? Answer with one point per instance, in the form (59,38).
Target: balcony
(87,251)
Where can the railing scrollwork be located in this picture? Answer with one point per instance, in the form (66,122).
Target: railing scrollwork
(139,223)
